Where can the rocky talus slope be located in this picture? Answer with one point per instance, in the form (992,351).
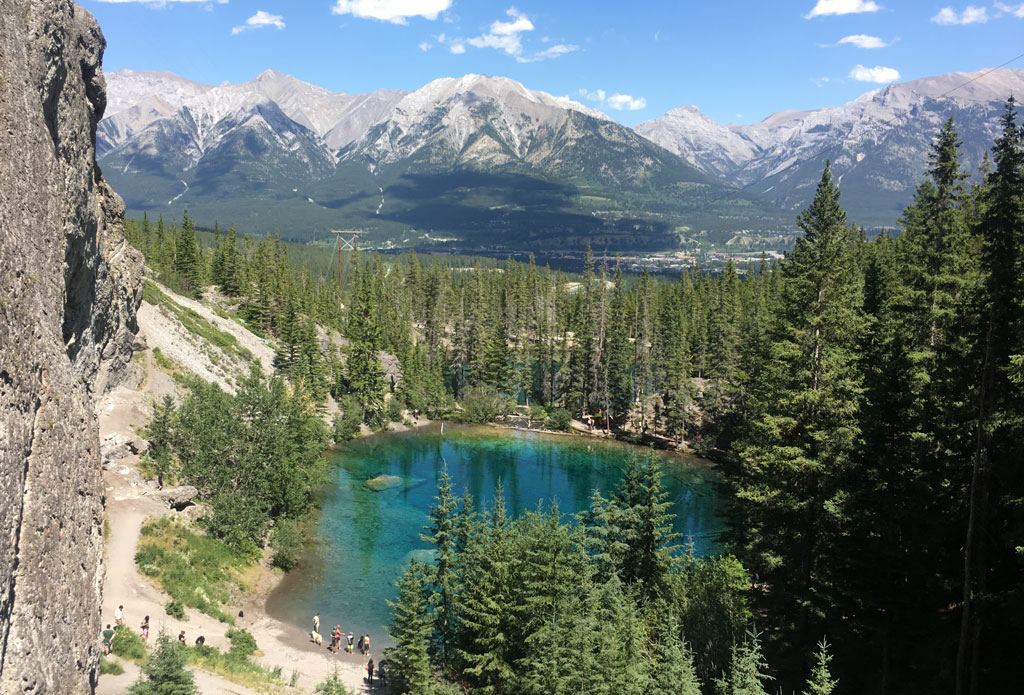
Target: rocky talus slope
(69,289)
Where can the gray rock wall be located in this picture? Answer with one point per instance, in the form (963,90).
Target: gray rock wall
(69,288)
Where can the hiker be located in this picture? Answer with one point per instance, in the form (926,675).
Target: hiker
(335,638)
(351,639)
(159,481)
(108,639)
(200,641)
(369,670)
(316,623)
(145,629)
(359,645)
(119,615)
(181,638)
(366,644)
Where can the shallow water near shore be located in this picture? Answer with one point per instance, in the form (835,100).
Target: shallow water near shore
(364,539)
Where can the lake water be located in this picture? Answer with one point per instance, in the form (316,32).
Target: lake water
(366,538)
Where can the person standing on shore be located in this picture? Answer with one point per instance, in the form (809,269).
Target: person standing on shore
(145,629)
(366,644)
(316,623)
(369,670)
(119,615)
(351,649)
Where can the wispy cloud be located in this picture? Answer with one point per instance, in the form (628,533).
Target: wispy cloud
(972,15)
(879,74)
(619,102)
(507,37)
(258,21)
(394,11)
(1015,10)
(833,7)
(863,41)
(821,81)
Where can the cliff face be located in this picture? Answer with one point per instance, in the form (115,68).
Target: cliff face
(69,288)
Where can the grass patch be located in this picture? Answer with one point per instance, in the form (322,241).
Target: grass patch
(197,571)
(236,667)
(164,362)
(110,668)
(127,644)
(194,323)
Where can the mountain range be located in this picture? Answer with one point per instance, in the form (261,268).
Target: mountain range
(486,163)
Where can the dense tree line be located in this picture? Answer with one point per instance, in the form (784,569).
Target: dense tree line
(864,396)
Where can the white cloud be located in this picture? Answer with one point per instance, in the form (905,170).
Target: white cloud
(506,36)
(972,15)
(833,7)
(1015,10)
(619,102)
(259,20)
(821,81)
(877,74)
(863,41)
(425,46)
(395,11)
(457,48)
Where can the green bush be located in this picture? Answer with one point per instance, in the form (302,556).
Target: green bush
(537,412)
(175,610)
(332,685)
(346,426)
(165,672)
(395,408)
(484,403)
(558,419)
(285,540)
(126,644)
(243,644)
(110,668)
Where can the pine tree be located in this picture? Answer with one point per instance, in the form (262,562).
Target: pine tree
(804,413)
(441,533)
(165,673)
(187,259)
(821,681)
(409,661)
(748,670)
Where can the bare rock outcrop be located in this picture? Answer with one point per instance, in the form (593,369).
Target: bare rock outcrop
(69,289)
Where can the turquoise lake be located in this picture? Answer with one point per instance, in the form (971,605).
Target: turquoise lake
(365,538)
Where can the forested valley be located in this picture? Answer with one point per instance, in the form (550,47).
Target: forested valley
(863,398)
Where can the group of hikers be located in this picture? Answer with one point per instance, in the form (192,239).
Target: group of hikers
(110,632)
(339,640)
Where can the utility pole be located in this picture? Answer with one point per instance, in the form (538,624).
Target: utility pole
(350,243)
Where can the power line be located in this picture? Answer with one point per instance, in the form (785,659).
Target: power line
(736,191)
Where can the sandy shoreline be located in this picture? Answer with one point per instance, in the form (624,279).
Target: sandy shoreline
(129,502)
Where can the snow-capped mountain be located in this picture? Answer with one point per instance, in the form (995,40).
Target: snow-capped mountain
(289,153)
(878,143)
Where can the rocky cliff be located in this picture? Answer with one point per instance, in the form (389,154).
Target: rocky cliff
(69,288)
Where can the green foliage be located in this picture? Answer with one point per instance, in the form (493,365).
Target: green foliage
(110,668)
(197,571)
(285,540)
(175,609)
(165,673)
(332,685)
(484,403)
(821,681)
(243,644)
(748,670)
(346,426)
(194,323)
(558,419)
(127,644)
(410,628)
(395,408)
(235,666)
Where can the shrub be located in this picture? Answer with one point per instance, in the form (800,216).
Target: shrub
(175,610)
(243,644)
(285,540)
(126,644)
(332,685)
(537,412)
(165,673)
(484,403)
(558,419)
(111,668)
(395,408)
(346,426)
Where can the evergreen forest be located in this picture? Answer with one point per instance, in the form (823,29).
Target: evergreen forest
(864,399)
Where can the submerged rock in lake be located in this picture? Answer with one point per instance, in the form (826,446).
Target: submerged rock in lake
(384,482)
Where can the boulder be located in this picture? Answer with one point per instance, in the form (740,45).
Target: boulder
(384,482)
(177,497)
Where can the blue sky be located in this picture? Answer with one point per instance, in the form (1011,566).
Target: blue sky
(739,61)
